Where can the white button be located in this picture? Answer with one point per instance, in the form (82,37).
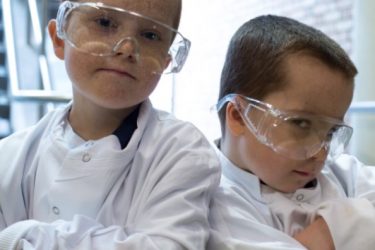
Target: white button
(300,197)
(86,157)
(56,210)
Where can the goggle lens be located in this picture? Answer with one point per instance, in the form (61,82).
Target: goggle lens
(102,30)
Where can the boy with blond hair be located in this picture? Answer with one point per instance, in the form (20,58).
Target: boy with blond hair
(108,171)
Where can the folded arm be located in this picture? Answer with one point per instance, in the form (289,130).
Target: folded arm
(172,215)
(350,221)
(238,225)
(316,236)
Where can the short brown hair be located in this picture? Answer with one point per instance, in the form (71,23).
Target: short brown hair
(254,60)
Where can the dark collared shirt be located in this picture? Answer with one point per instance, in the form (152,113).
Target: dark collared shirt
(125,131)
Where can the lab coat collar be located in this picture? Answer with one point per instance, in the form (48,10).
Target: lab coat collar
(248,182)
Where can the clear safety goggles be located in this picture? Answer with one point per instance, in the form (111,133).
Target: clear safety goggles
(295,135)
(102,30)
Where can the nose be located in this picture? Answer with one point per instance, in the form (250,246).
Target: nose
(129,47)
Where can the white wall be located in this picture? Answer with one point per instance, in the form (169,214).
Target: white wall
(363,141)
(209,24)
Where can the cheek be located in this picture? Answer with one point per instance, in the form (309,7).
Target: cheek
(262,160)
(148,84)
(151,79)
(253,155)
(81,67)
(75,67)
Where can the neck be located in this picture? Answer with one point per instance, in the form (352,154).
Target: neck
(93,122)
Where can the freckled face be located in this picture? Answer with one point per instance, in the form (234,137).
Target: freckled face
(312,87)
(117,82)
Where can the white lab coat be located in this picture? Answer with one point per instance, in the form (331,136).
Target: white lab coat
(57,193)
(246,214)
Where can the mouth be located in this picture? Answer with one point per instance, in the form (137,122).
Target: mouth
(119,72)
(303,173)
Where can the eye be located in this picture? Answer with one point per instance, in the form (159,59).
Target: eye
(151,35)
(301,123)
(105,23)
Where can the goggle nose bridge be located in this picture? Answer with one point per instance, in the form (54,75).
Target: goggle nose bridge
(123,42)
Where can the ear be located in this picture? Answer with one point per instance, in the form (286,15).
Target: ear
(58,44)
(235,124)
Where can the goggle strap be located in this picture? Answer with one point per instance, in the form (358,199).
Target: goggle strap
(65,6)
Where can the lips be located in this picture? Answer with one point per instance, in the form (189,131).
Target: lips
(303,173)
(120,72)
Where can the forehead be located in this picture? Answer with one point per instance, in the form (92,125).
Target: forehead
(314,87)
(165,11)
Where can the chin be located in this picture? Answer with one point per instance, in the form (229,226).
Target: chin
(116,101)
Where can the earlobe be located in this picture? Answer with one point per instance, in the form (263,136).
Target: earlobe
(234,121)
(58,43)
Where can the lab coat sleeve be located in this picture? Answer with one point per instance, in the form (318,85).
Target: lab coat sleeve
(351,223)
(237,225)
(2,221)
(177,221)
(80,233)
(11,195)
(351,220)
(174,215)
(357,179)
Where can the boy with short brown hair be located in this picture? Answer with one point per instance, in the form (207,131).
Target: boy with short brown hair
(285,89)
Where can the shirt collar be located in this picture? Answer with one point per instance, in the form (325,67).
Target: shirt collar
(126,129)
